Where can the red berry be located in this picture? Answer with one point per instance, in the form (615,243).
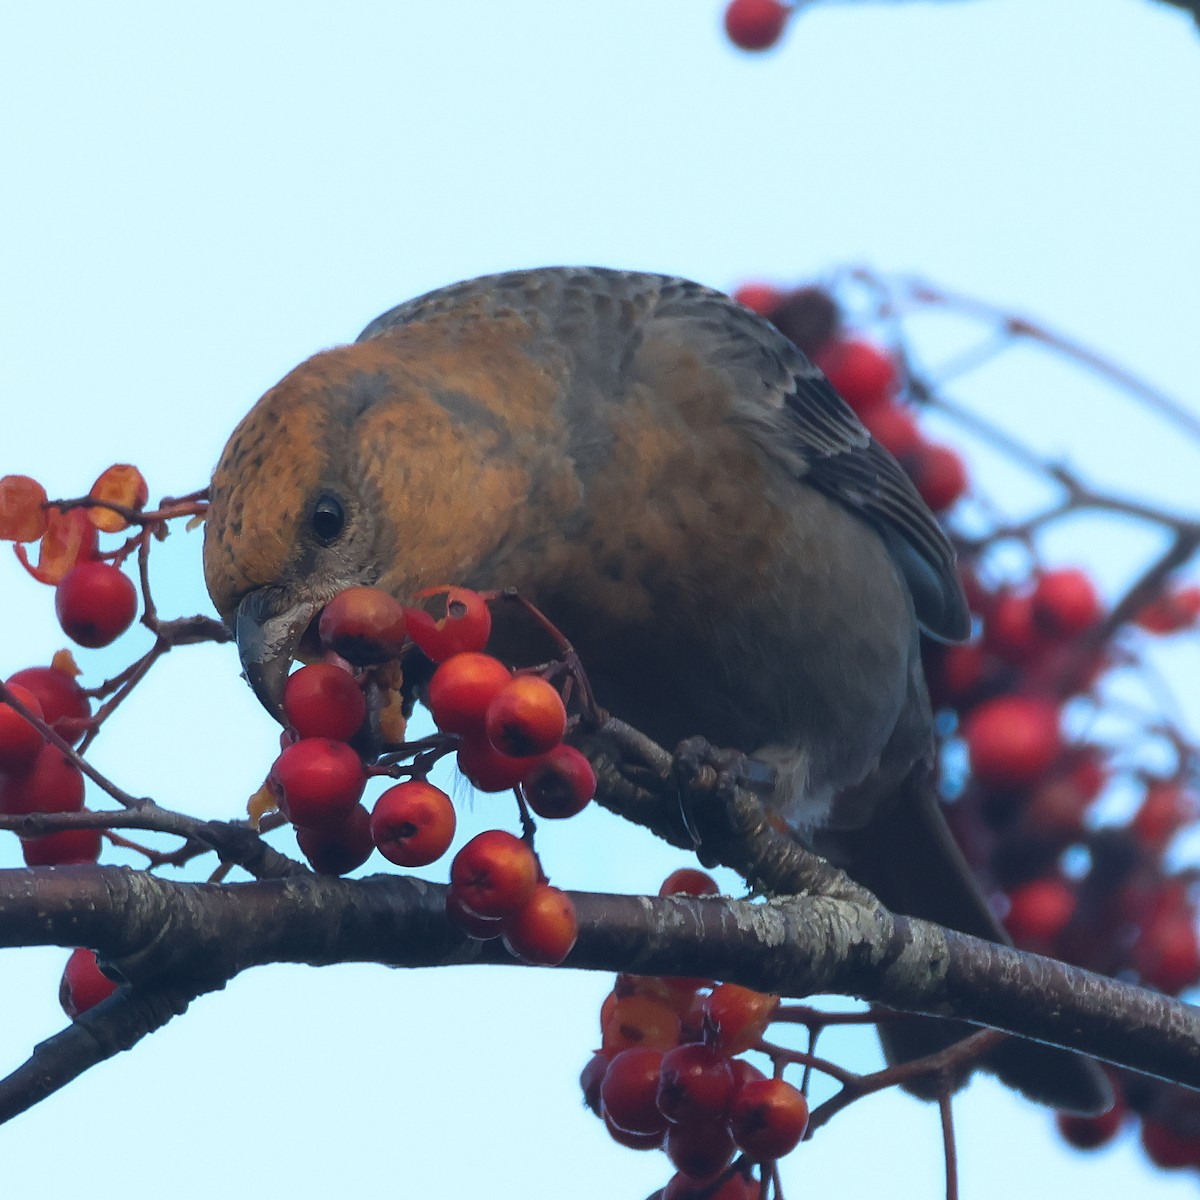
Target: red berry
(70,846)
(755,24)
(810,317)
(64,706)
(1012,740)
(363,625)
(744,1072)
(894,428)
(462,688)
(544,929)
(863,375)
(318,781)
(1038,911)
(1168,1148)
(956,672)
(591,1077)
(83,984)
(1088,1133)
(1088,773)
(940,476)
(526,717)
(559,784)
(488,769)
(338,847)
(494,874)
(1009,629)
(700,1150)
(695,1084)
(629,1088)
(52,784)
(413,823)
(1166,953)
(20,742)
(22,517)
(96,602)
(459,623)
(323,700)
(1056,809)
(683,994)
(1171,612)
(632,1141)
(768,1118)
(1166,808)
(739,1016)
(679,992)
(758,297)
(482,929)
(687,881)
(1065,603)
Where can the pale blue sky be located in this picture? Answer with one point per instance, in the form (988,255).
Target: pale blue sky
(196,198)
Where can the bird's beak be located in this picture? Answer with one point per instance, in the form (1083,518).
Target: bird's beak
(268,630)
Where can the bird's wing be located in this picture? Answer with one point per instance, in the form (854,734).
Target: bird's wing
(787,401)
(808,423)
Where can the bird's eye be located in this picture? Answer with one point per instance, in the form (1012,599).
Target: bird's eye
(328,519)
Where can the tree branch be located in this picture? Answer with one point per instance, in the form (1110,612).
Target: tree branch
(173,941)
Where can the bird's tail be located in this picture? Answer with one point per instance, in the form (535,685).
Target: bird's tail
(908,858)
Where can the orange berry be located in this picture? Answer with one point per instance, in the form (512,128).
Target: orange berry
(413,823)
(494,874)
(544,929)
(768,1118)
(121,484)
(739,1016)
(559,784)
(451,620)
(22,517)
(462,688)
(363,625)
(526,717)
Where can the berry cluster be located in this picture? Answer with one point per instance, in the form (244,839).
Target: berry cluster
(506,731)
(94,599)
(1025,807)
(668,1075)
(497,889)
(95,602)
(506,728)
(1103,893)
(36,776)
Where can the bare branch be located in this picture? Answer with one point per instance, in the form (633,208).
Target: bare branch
(182,939)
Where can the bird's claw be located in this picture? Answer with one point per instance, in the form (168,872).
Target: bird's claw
(706,779)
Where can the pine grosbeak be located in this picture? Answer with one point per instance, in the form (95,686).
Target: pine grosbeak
(680,490)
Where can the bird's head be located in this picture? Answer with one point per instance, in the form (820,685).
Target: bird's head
(297,513)
(404,462)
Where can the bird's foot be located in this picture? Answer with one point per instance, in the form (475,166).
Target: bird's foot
(710,783)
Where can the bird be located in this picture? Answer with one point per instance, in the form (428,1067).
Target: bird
(677,487)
